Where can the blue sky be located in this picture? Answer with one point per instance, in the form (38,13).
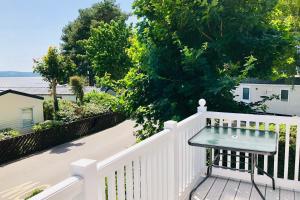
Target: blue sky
(28,27)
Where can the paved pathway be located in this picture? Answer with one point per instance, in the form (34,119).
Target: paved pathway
(50,167)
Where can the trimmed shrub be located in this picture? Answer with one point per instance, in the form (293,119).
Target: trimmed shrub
(108,101)
(8,133)
(94,104)
(46,125)
(70,111)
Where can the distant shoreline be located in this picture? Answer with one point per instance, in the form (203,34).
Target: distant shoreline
(18,74)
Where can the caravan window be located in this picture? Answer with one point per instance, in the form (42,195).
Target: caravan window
(27,117)
(284,95)
(246,94)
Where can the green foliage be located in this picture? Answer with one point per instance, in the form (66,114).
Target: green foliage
(8,133)
(77,83)
(286,19)
(54,68)
(48,110)
(33,193)
(187,50)
(80,29)
(107,49)
(93,109)
(105,82)
(94,104)
(70,111)
(100,98)
(48,124)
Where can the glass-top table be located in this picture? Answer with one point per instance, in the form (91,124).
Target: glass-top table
(236,139)
(254,142)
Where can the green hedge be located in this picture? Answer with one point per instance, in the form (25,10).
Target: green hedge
(46,125)
(8,133)
(94,104)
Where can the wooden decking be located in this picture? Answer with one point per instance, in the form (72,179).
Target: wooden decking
(216,188)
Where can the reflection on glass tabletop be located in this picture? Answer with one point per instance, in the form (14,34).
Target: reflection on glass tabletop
(236,139)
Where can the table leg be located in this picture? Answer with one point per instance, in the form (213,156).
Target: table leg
(253,164)
(269,175)
(208,173)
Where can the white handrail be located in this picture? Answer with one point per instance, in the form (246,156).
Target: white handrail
(68,189)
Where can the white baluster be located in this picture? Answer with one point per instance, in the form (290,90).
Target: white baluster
(287,150)
(129,181)
(121,184)
(237,164)
(137,176)
(297,153)
(228,151)
(277,129)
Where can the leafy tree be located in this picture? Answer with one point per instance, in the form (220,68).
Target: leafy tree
(286,18)
(107,49)
(80,29)
(77,84)
(200,49)
(55,69)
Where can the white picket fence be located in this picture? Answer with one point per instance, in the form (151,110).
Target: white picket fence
(165,167)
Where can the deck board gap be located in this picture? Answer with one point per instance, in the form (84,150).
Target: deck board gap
(279,192)
(251,192)
(210,187)
(223,189)
(237,189)
(266,191)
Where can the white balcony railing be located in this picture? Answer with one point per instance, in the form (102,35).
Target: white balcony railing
(165,167)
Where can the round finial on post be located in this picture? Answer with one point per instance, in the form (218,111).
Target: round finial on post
(202,108)
(202,102)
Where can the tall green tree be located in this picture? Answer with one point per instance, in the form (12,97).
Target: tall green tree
(107,49)
(55,69)
(201,49)
(80,29)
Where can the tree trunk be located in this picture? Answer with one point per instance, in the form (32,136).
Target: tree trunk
(55,102)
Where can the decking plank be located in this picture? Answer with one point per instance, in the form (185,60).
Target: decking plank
(203,190)
(286,195)
(244,191)
(217,189)
(222,189)
(230,190)
(272,194)
(254,194)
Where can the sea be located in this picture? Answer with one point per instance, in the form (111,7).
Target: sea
(23,82)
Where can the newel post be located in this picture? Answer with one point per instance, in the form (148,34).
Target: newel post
(87,169)
(174,158)
(202,108)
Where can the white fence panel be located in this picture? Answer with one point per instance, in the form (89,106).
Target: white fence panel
(166,167)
